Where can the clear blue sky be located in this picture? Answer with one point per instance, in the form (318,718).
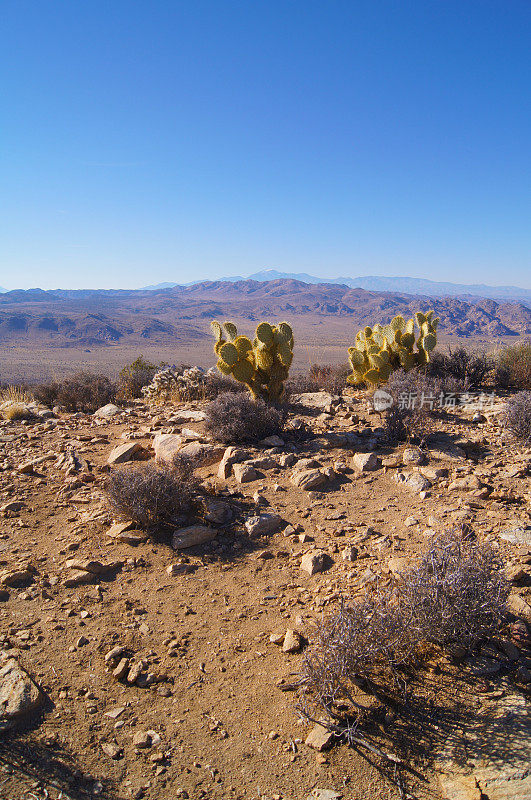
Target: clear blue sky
(146,141)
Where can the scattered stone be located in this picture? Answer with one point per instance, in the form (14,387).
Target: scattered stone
(125,452)
(366,462)
(121,670)
(108,411)
(19,694)
(413,481)
(112,750)
(192,536)
(413,455)
(314,562)
(272,441)
(292,641)
(263,525)
(319,738)
(350,553)
(244,473)
(309,479)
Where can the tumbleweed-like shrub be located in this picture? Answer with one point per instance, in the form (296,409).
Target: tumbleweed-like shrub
(456,596)
(467,368)
(364,643)
(517,416)
(235,417)
(151,494)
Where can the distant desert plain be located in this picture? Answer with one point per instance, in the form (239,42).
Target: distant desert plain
(49,334)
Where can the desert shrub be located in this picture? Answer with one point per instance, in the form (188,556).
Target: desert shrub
(454,598)
(367,642)
(236,417)
(415,397)
(320,377)
(468,369)
(152,494)
(517,416)
(216,384)
(177,384)
(457,594)
(83,391)
(513,366)
(135,376)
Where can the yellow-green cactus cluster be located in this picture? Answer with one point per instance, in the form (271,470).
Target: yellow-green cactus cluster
(383,348)
(262,364)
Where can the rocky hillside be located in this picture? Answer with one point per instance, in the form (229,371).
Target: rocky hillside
(182,313)
(165,667)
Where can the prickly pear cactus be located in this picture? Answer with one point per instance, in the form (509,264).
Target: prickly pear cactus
(383,348)
(262,364)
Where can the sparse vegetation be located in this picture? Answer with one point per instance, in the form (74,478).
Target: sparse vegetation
(468,369)
(455,598)
(457,594)
(320,377)
(152,494)
(513,367)
(135,376)
(14,403)
(517,416)
(83,391)
(233,418)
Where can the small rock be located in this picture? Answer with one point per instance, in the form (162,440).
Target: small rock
(244,473)
(292,641)
(263,524)
(366,462)
(319,738)
(110,410)
(122,669)
(309,479)
(350,553)
(112,750)
(142,740)
(313,562)
(413,455)
(192,536)
(124,452)
(19,694)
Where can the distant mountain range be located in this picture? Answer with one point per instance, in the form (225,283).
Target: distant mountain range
(182,314)
(373,283)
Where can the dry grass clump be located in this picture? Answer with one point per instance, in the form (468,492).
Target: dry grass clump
(454,598)
(13,403)
(235,417)
(415,397)
(83,391)
(517,416)
(152,494)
